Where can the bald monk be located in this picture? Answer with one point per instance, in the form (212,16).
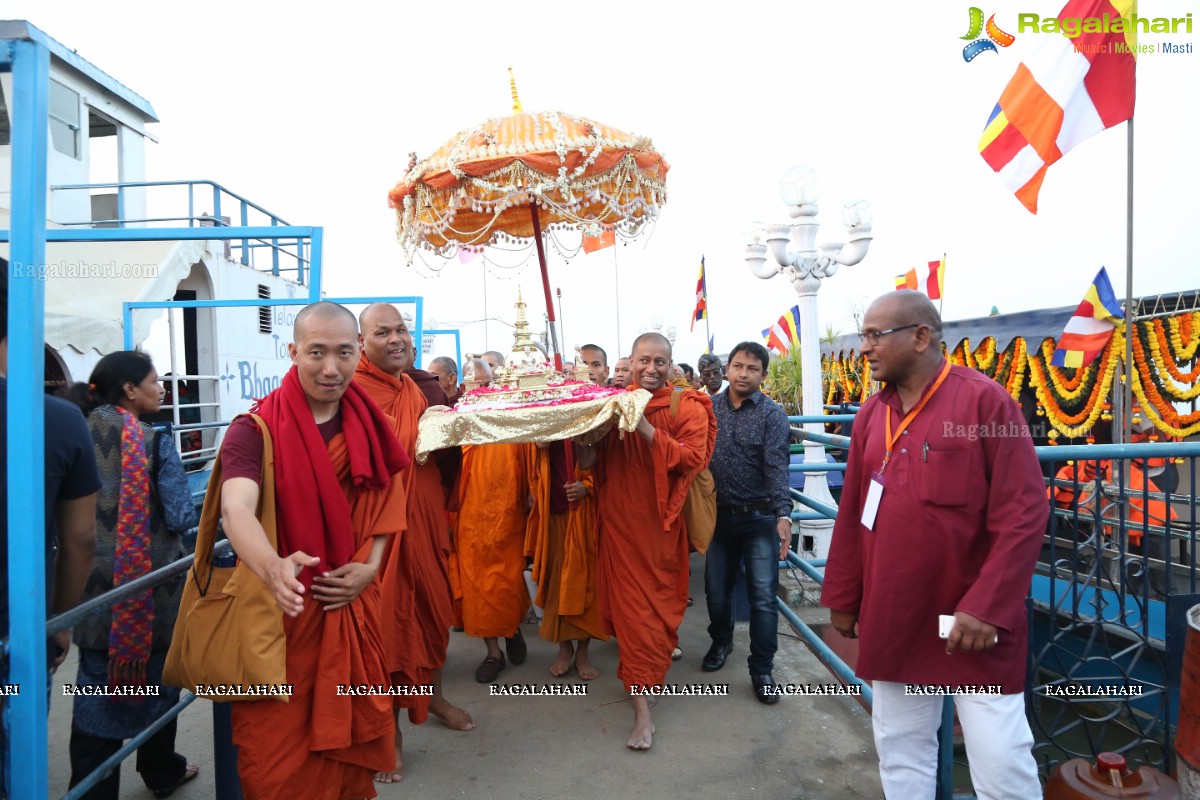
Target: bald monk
(336,500)
(643,480)
(597,363)
(493,496)
(565,557)
(622,374)
(494,358)
(446,372)
(414,576)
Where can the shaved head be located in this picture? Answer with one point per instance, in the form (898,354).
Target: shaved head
(910,307)
(386,341)
(446,371)
(442,362)
(494,357)
(902,339)
(597,363)
(368,314)
(324,311)
(651,337)
(651,361)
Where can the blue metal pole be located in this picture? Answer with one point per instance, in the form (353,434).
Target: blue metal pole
(274,250)
(166,234)
(418,335)
(316,249)
(245,220)
(26,442)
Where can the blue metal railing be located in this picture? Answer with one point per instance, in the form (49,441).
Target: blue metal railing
(291,248)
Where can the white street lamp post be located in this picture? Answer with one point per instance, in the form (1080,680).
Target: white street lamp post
(795,254)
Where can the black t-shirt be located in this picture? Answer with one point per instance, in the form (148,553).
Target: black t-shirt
(70,473)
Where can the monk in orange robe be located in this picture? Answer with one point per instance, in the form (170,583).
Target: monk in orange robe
(565,556)
(489,545)
(335,455)
(414,576)
(643,480)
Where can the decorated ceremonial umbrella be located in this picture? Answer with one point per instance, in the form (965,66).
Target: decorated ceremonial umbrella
(513,178)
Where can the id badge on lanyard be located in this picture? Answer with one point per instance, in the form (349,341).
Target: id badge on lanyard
(875,487)
(874,495)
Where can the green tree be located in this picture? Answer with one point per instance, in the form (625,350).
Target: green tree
(783,382)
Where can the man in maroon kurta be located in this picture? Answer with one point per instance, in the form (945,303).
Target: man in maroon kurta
(956,531)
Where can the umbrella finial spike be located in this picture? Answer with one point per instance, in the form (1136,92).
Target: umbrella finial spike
(512,82)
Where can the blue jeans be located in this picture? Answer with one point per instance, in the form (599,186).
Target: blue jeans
(748,539)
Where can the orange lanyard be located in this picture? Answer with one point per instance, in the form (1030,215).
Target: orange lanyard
(890,438)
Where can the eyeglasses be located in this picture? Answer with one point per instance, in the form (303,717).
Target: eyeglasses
(709,373)
(872,337)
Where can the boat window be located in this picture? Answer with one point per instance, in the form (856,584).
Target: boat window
(264,312)
(64,119)
(5,127)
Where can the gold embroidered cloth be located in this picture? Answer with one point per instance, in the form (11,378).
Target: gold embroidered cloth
(589,420)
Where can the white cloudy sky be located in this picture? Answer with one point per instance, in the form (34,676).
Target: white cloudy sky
(311,111)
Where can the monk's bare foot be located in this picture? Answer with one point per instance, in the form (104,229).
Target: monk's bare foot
(397,774)
(642,735)
(583,664)
(453,717)
(562,664)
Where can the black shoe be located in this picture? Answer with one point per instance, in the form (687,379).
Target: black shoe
(489,670)
(516,648)
(714,659)
(765,688)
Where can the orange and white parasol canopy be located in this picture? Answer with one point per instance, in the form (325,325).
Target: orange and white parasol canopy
(476,189)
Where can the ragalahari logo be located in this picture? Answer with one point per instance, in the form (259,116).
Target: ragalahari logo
(995,36)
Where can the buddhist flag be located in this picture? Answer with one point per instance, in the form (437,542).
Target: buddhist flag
(931,280)
(935,282)
(710,345)
(1064,91)
(1090,328)
(701,311)
(785,333)
(593,243)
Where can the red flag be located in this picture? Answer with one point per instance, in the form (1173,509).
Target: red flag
(936,279)
(593,243)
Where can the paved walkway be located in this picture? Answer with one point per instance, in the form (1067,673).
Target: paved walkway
(803,748)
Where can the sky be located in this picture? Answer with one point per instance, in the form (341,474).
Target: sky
(312,112)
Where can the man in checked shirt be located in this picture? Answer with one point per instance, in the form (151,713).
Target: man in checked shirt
(754,507)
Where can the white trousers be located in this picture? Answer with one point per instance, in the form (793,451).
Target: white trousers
(999,743)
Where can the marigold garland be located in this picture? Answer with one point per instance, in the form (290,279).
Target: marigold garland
(1078,424)
(1185,327)
(1165,350)
(1152,367)
(1166,418)
(1079,384)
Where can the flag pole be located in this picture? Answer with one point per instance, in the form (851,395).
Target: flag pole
(617,300)
(707,334)
(1126,432)
(942,288)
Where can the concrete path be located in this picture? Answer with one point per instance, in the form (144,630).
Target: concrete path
(803,748)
